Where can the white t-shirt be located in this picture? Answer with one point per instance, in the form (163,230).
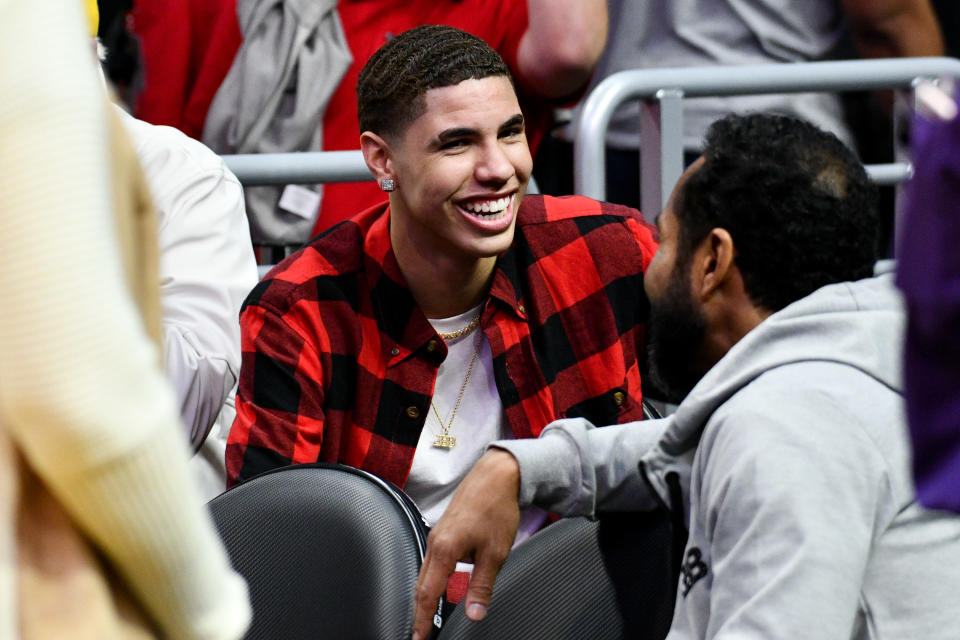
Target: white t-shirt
(436,472)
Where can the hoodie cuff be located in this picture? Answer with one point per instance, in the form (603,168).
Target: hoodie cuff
(549,469)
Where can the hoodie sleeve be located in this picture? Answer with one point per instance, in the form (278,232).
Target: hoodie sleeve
(576,469)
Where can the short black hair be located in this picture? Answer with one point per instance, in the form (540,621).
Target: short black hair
(391,86)
(797,202)
(122,62)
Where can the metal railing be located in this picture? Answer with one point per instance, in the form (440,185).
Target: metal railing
(306,167)
(662,92)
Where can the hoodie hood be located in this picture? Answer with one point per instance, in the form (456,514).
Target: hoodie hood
(859,324)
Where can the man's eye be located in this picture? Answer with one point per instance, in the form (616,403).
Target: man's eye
(453,144)
(511,132)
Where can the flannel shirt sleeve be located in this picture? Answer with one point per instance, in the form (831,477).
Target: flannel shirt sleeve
(280,396)
(647,239)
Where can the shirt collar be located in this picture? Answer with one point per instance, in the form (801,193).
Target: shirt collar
(505,287)
(403,327)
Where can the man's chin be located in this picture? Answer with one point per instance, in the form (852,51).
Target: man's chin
(676,330)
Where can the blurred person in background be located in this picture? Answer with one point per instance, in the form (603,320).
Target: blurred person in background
(928,272)
(652,34)
(207,266)
(101,533)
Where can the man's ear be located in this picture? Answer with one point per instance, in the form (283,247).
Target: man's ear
(712,264)
(376,153)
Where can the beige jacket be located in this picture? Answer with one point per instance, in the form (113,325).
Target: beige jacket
(65,589)
(97,510)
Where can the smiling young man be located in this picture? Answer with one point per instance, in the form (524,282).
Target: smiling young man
(406,339)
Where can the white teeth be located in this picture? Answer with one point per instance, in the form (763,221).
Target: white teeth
(488,206)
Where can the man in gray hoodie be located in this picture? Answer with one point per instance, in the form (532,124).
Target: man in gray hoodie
(788,453)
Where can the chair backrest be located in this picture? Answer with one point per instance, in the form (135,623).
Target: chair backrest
(598,580)
(327,550)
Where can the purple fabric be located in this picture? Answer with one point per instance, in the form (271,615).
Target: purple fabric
(928,272)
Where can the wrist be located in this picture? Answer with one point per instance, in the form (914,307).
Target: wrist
(501,464)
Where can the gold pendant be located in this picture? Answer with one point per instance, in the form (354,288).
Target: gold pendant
(444,441)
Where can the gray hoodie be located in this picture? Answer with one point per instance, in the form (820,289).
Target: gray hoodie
(793,458)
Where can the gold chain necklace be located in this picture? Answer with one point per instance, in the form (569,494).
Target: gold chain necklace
(461,332)
(444,440)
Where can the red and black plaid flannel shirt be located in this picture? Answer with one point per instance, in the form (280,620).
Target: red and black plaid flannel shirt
(339,363)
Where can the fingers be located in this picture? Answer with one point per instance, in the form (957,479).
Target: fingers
(437,567)
(480,589)
(480,524)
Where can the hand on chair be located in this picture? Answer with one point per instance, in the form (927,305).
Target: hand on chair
(479,526)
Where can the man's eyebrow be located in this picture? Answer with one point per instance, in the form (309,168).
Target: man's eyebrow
(468,132)
(454,133)
(512,122)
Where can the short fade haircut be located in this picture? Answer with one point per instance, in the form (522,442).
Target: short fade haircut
(391,86)
(798,204)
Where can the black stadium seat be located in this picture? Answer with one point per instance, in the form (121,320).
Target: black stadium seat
(329,551)
(580,579)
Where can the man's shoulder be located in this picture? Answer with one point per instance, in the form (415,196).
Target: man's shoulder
(806,406)
(546,224)
(171,154)
(540,209)
(328,267)
(807,431)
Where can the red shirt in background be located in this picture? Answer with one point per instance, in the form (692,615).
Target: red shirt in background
(187,47)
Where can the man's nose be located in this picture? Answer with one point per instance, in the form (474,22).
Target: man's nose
(494,165)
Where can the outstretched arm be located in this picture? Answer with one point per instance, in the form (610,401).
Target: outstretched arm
(562,44)
(571,469)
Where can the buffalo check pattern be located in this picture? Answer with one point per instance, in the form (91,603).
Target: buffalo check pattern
(339,363)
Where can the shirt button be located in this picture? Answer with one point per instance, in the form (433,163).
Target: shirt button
(395,351)
(521,309)
(413,412)
(432,346)
(618,398)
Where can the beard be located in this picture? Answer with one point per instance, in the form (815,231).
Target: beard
(676,330)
